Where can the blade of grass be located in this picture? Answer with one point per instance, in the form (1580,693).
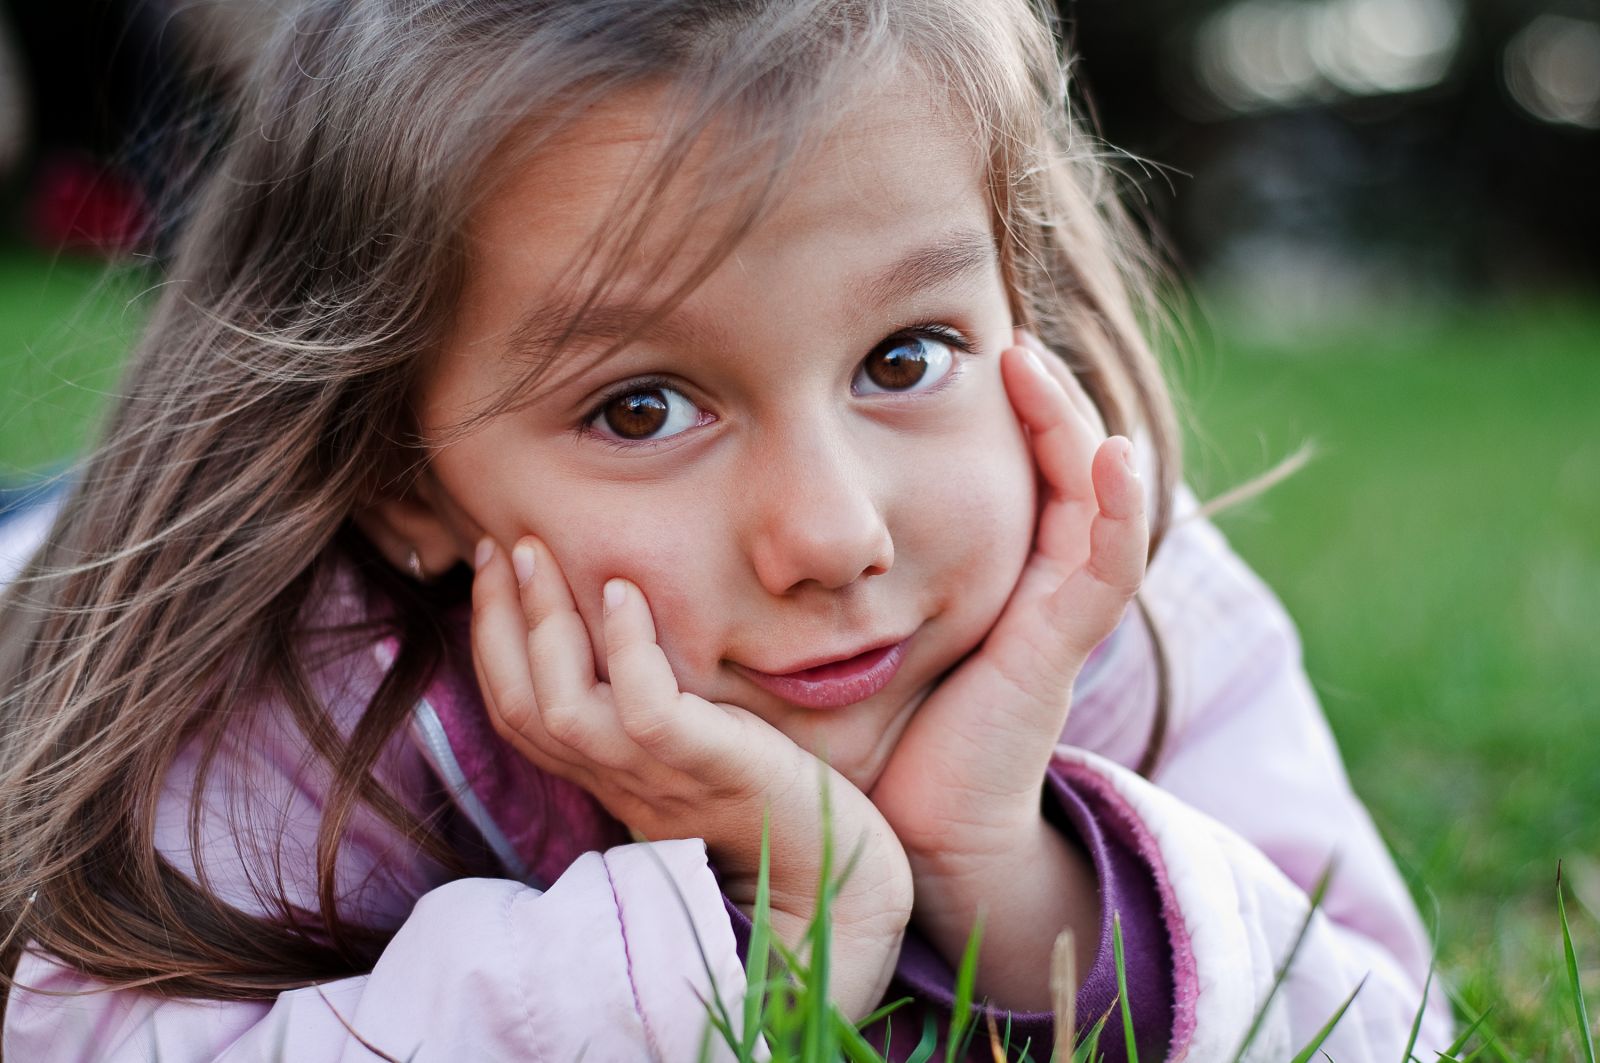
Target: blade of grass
(1461,1042)
(1323,1034)
(856,1048)
(1416,1022)
(818,1045)
(1491,1039)
(1318,892)
(966,975)
(755,996)
(997,1051)
(1005,1040)
(1089,1050)
(883,1012)
(1585,1037)
(1064,995)
(964,1051)
(715,1022)
(716,1008)
(929,1043)
(1130,1045)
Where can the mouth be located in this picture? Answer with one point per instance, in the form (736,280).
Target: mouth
(837,683)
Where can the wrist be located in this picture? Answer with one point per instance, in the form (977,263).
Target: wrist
(1026,895)
(988,839)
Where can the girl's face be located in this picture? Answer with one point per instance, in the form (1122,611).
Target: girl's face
(814,456)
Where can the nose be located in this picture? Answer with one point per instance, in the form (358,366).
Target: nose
(814,517)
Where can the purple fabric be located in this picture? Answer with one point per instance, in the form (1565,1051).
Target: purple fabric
(1127,887)
(548,821)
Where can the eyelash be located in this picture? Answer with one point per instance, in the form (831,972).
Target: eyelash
(940,333)
(644,383)
(932,330)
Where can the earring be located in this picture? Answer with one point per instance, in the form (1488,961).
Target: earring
(414,566)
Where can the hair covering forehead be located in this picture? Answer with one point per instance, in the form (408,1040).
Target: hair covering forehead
(717,155)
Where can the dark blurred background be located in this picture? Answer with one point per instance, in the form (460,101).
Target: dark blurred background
(1386,215)
(1309,155)
(1346,152)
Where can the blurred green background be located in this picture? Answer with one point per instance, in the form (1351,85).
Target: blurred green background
(1442,558)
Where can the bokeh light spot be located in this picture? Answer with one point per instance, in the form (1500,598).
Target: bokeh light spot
(1272,53)
(1552,69)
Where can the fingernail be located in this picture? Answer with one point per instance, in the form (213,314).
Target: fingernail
(1033,360)
(615,589)
(1127,459)
(522,562)
(485,552)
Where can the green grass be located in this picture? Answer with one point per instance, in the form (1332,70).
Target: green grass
(1441,556)
(62,332)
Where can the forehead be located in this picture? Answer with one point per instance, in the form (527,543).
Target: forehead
(897,162)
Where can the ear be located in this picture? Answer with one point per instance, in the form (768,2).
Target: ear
(411,521)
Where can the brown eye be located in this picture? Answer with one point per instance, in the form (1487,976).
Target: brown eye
(906,363)
(644,414)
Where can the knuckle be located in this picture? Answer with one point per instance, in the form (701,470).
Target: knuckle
(531,612)
(650,729)
(563,722)
(514,716)
(547,632)
(1119,578)
(631,657)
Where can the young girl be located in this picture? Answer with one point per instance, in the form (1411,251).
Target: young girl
(572,424)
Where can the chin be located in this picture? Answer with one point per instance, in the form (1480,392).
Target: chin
(856,744)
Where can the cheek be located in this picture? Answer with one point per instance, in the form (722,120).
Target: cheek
(975,522)
(668,557)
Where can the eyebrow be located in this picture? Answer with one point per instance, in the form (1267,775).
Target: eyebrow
(958,255)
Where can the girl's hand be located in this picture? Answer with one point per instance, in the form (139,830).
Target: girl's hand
(672,765)
(964,782)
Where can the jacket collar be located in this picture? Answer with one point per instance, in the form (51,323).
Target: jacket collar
(536,823)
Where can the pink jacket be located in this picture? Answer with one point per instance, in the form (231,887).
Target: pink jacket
(591,954)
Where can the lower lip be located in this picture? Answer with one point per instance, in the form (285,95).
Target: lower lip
(834,686)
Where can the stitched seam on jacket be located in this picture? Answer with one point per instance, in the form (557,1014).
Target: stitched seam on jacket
(627,958)
(523,996)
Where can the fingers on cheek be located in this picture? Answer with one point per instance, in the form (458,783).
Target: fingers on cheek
(1119,538)
(1118,487)
(1116,557)
(497,635)
(1034,394)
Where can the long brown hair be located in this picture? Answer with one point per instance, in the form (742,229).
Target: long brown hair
(267,402)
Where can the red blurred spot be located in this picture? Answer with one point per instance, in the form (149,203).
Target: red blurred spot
(80,204)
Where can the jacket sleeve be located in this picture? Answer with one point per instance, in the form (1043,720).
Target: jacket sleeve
(484,969)
(597,967)
(610,962)
(1247,805)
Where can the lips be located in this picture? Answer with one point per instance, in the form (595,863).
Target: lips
(836,683)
